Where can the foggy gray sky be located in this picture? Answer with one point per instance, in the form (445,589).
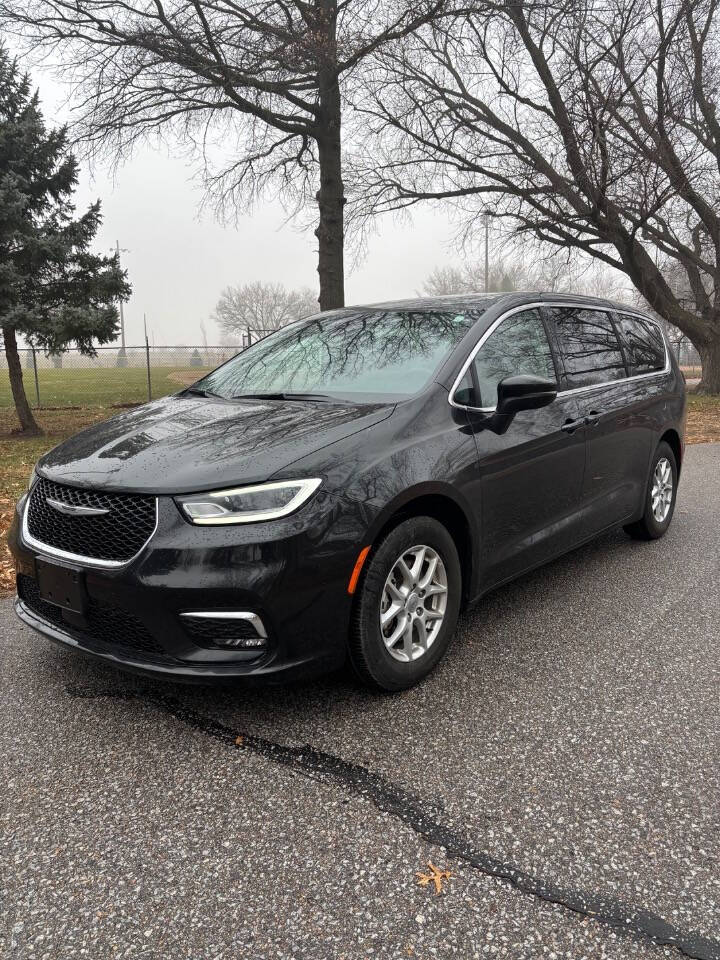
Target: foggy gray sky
(179,259)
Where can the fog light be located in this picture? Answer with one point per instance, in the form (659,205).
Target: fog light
(242,643)
(235,629)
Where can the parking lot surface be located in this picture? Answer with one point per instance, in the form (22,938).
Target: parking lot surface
(563,765)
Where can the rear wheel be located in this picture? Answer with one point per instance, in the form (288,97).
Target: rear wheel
(407,606)
(659,497)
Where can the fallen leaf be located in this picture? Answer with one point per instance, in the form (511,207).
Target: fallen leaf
(435,876)
(239,741)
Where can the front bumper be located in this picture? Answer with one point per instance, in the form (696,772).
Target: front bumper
(292,574)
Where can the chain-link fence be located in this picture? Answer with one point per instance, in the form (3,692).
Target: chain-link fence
(117,377)
(112,377)
(687,357)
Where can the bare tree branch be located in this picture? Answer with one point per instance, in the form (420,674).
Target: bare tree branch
(256,88)
(589,125)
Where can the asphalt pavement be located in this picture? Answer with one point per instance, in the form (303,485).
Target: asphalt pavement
(563,765)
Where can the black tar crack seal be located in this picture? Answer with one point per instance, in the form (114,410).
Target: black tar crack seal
(411,810)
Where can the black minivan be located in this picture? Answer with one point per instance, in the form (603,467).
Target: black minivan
(342,488)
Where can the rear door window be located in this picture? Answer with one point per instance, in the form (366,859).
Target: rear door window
(589,346)
(643,344)
(518,345)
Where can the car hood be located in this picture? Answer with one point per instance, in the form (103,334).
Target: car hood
(182,444)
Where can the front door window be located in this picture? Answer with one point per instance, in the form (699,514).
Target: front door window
(518,346)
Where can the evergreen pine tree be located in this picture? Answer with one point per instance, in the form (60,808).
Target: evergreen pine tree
(53,290)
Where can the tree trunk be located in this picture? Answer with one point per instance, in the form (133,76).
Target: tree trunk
(710,357)
(331,195)
(28,424)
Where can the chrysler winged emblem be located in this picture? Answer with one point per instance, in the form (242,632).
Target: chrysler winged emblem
(70,510)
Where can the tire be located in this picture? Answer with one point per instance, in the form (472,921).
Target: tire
(385,589)
(650,527)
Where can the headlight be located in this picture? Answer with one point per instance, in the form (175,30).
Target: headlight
(265,501)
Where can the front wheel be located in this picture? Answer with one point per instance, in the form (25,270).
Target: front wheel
(407,607)
(659,497)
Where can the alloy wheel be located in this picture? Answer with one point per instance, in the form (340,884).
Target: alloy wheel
(661,493)
(413,603)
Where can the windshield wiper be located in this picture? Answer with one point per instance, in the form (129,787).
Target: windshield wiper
(282,396)
(198,392)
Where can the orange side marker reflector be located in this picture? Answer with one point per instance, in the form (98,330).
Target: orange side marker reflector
(355,575)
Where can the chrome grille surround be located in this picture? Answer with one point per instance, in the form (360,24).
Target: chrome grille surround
(111,539)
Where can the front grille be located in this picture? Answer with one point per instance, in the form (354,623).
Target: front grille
(107,626)
(116,536)
(216,632)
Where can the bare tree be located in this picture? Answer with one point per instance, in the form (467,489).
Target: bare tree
(573,272)
(447,281)
(262,80)
(556,273)
(261,307)
(587,124)
(470,278)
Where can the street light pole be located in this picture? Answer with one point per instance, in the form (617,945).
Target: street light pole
(487,251)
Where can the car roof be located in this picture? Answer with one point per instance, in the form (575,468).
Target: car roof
(484,301)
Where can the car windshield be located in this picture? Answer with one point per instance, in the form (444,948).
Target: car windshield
(382,355)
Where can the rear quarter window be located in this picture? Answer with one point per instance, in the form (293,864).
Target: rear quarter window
(643,344)
(589,346)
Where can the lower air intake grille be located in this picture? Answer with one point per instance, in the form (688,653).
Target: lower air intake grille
(107,625)
(27,589)
(116,535)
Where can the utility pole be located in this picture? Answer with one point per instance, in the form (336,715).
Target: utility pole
(122,355)
(122,314)
(147,357)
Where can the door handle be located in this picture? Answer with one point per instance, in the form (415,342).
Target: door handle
(593,418)
(570,426)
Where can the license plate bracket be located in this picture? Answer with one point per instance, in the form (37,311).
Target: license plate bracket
(62,585)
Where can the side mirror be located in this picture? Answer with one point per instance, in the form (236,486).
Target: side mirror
(521,392)
(524,392)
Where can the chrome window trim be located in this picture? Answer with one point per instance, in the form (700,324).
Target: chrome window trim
(252,618)
(561,393)
(49,551)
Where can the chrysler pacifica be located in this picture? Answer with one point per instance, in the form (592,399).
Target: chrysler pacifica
(342,488)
